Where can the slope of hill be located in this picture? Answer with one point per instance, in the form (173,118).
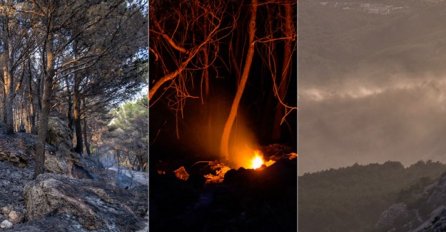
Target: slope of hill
(421,208)
(353,198)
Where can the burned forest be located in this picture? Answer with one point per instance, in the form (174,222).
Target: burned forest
(223,115)
(73,128)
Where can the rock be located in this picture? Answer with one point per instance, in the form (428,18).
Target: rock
(80,172)
(56,201)
(424,211)
(15,217)
(246,200)
(94,205)
(16,159)
(217,174)
(69,163)
(106,155)
(56,162)
(6,224)
(126,178)
(146,227)
(435,224)
(181,173)
(391,216)
(6,210)
(59,134)
(11,151)
(12,181)
(55,223)
(60,159)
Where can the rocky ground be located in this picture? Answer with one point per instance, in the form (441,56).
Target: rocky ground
(12,181)
(246,200)
(76,193)
(423,210)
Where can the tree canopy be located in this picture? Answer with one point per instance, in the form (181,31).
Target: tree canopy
(71,59)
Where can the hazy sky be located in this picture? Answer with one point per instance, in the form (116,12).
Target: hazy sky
(379,96)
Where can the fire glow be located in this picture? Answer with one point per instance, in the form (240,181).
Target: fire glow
(257,161)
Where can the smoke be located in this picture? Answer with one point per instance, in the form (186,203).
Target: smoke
(402,119)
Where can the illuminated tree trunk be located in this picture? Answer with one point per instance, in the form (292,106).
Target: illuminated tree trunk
(224,144)
(285,74)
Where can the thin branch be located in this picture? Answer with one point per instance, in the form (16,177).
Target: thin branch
(192,53)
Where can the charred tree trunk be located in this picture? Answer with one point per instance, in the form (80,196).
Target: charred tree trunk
(32,100)
(77,115)
(69,106)
(224,144)
(44,114)
(76,107)
(36,108)
(39,88)
(87,145)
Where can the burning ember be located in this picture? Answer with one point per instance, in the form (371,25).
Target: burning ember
(220,171)
(181,173)
(257,161)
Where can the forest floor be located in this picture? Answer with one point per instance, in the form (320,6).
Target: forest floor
(12,181)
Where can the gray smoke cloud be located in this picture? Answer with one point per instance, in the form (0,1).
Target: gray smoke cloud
(365,97)
(403,121)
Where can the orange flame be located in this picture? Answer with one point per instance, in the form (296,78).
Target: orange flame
(257,161)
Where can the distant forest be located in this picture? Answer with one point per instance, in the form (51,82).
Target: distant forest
(352,199)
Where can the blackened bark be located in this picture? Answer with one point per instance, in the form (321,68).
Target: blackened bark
(32,100)
(69,105)
(87,145)
(44,114)
(76,116)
